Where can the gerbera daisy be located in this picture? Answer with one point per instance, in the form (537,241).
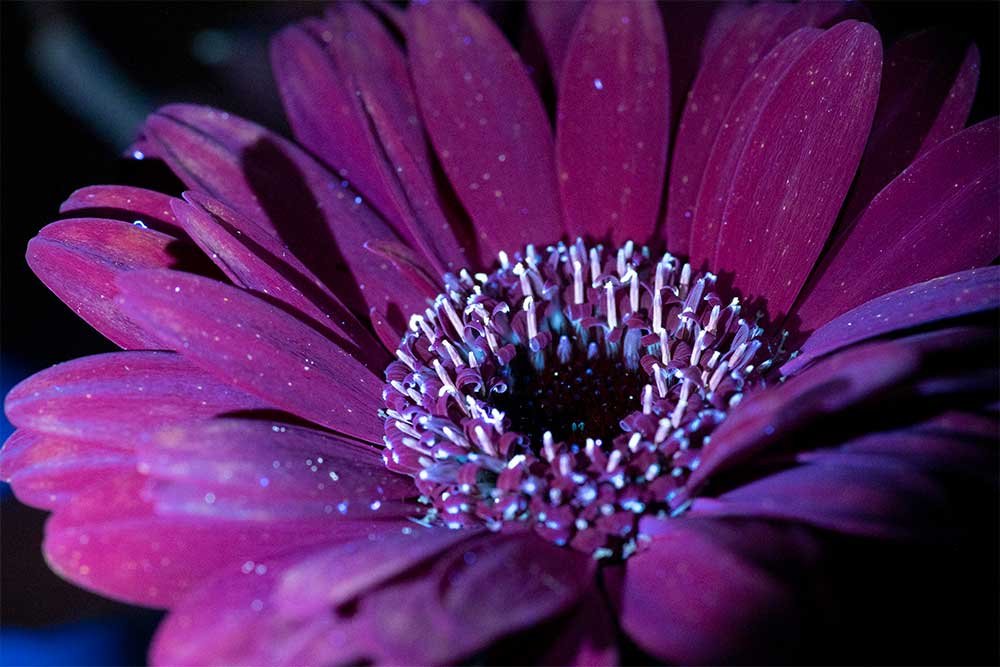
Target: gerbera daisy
(449,370)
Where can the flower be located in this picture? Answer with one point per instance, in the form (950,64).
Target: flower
(431,378)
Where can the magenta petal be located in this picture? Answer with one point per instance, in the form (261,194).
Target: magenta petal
(828,388)
(326,115)
(112,399)
(937,217)
(46,471)
(947,297)
(554,22)
(382,81)
(286,192)
(121,202)
(589,636)
(110,540)
(691,597)
(487,125)
(614,122)
(344,572)
(926,93)
(79,260)
(230,619)
(731,141)
(798,165)
(858,494)
(262,471)
(722,73)
(687,23)
(258,348)
(252,258)
(453,611)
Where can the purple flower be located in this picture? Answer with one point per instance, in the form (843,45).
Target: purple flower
(441,372)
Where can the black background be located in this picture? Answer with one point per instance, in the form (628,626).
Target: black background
(216,53)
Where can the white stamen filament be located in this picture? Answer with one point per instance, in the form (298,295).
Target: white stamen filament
(456,358)
(621,262)
(661,382)
(647,400)
(657,312)
(664,347)
(685,279)
(633,290)
(522,274)
(609,291)
(529,308)
(484,441)
(577,282)
(595,266)
(504,260)
(718,375)
(548,446)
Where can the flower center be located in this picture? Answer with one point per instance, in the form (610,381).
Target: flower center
(572,389)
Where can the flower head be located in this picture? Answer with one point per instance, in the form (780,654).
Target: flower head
(444,370)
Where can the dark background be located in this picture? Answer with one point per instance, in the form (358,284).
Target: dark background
(78,78)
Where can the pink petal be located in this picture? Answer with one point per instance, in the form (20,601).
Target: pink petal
(121,202)
(286,192)
(80,258)
(258,348)
(554,22)
(230,619)
(492,587)
(344,572)
(938,217)
(828,388)
(379,74)
(45,471)
(325,114)
(266,471)
(487,124)
(693,597)
(736,40)
(798,165)
(110,540)
(589,637)
(731,141)
(948,297)
(252,258)
(113,399)
(614,122)
(857,494)
(925,97)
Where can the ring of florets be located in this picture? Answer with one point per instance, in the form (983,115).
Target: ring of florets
(572,389)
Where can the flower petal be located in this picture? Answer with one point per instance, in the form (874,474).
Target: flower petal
(390,107)
(46,471)
(735,41)
(325,115)
(944,298)
(253,258)
(828,388)
(110,540)
(731,141)
(937,217)
(344,572)
(258,348)
(614,122)
(926,93)
(487,125)
(121,202)
(694,595)
(687,24)
(261,470)
(453,610)
(857,494)
(230,619)
(112,399)
(554,22)
(79,260)
(589,638)
(798,165)
(287,192)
